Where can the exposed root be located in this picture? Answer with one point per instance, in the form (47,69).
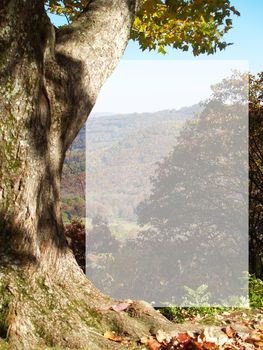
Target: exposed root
(37,312)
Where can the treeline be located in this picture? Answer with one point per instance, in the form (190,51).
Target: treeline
(121,153)
(197,204)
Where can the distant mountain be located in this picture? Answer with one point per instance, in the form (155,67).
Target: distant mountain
(100,114)
(106,127)
(121,152)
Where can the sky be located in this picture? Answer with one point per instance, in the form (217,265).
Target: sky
(153,85)
(148,81)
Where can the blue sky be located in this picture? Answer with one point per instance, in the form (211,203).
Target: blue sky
(246,34)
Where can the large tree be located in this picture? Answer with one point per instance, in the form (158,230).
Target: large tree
(194,221)
(196,215)
(49,82)
(256,175)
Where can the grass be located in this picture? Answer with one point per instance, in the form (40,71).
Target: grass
(181,314)
(207,313)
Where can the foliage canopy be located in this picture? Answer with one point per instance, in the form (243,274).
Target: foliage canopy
(180,24)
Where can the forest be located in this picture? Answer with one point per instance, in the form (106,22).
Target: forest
(112,237)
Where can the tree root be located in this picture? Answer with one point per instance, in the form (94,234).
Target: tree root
(37,312)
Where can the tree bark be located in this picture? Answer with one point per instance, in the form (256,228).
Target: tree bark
(49,83)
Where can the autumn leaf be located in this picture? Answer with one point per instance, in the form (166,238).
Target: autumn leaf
(207,336)
(183,338)
(256,339)
(177,24)
(111,336)
(161,336)
(210,346)
(120,307)
(230,332)
(154,344)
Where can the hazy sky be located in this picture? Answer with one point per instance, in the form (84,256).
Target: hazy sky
(158,82)
(147,86)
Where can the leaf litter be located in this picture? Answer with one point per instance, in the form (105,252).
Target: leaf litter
(246,334)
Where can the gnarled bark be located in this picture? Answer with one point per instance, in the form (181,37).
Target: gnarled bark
(49,83)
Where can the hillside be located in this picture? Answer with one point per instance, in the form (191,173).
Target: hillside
(121,153)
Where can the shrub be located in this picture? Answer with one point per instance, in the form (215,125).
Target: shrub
(76,236)
(255,292)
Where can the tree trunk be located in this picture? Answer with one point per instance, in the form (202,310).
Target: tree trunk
(49,83)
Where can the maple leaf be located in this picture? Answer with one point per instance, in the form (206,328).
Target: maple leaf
(230,332)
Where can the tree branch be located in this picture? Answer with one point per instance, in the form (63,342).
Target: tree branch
(90,48)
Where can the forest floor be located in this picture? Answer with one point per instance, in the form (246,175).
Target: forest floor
(229,330)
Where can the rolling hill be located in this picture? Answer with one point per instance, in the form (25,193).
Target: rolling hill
(117,155)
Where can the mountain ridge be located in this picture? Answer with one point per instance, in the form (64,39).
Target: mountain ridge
(121,152)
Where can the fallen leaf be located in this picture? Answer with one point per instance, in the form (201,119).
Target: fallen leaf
(256,339)
(191,334)
(230,332)
(153,344)
(195,346)
(183,338)
(223,340)
(161,336)
(111,336)
(210,346)
(120,307)
(144,340)
(207,336)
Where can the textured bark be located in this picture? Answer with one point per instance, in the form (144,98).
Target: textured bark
(49,83)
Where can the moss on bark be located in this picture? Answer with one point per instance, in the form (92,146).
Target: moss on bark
(45,299)
(37,311)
